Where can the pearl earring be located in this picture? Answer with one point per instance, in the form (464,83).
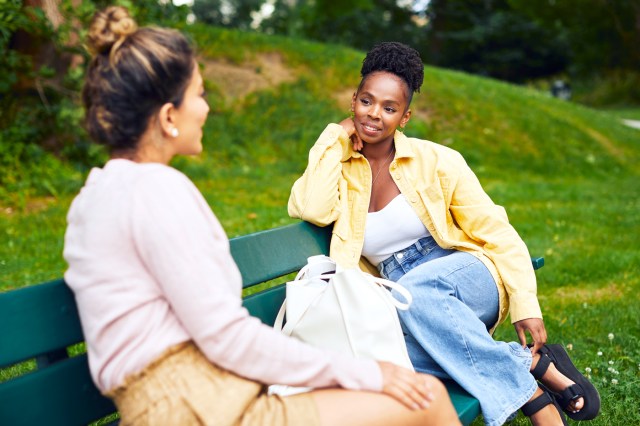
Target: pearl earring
(174,132)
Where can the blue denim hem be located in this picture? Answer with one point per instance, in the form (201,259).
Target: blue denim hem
(508,412)
(513,408)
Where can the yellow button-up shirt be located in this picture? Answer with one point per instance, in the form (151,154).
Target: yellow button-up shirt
(443,191)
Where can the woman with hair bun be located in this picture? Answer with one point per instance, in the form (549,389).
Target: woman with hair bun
(158,292)
(413,212)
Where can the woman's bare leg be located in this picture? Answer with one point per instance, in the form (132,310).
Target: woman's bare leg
(341,407)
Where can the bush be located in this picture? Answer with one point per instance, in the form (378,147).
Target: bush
(616,88)
(40,108)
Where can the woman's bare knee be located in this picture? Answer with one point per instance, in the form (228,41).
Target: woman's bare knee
(341,407)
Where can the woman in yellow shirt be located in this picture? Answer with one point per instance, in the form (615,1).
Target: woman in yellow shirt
(414,212)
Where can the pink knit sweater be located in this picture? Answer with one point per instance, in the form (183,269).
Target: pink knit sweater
(150,267)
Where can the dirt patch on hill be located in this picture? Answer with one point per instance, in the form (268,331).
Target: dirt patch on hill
(34,205)
(235,81)
(343,98)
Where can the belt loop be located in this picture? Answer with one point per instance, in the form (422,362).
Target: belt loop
(381,269)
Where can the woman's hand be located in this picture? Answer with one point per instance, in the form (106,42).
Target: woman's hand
(535,327)
(410,388)
(349,126)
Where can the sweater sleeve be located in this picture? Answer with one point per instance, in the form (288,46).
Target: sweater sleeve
(315,195)
(185,249)
(484,221)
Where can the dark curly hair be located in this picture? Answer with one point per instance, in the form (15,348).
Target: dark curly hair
(398,59)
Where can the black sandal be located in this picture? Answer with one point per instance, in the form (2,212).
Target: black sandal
(582,388)
(532,407)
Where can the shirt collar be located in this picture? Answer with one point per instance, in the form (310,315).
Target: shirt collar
(403,147)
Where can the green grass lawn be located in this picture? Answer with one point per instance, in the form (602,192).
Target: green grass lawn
(567,175)
(625,113)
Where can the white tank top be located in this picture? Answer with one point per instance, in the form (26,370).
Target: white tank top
(391,229)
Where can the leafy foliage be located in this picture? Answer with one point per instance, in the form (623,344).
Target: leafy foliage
(40,111)
(490,38)
(359,24)
(227,13)
(603,35)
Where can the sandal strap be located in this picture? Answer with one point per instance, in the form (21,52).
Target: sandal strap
(570,393)
(532,407)
(541,367)
(544,350)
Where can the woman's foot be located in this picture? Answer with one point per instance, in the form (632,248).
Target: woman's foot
(555,381)
(543,410)
(573,392)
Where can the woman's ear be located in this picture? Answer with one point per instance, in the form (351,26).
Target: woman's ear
(353,102)
(405,118)
(167,120)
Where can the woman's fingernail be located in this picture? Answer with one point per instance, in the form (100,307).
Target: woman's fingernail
(425,404)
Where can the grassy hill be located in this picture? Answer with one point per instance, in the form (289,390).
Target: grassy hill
(567,175)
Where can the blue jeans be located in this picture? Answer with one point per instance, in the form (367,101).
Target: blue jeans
(455,303)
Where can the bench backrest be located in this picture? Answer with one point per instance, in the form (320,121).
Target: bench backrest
(40,322)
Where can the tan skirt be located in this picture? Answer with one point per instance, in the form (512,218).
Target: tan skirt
(182,387)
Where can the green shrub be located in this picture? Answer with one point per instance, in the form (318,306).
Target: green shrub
(616,88)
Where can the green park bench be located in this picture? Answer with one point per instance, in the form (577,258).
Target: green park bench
(41,323)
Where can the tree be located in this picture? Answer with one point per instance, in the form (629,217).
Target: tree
(602,34)
(227,13)
(29,43)
(359,23)
(42,61)
(490,38)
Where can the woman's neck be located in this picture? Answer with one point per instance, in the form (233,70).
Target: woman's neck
(148,150)
(378,151)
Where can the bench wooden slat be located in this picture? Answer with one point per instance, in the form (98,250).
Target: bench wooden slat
(276,252)
(279,251)
(538,262)
(62,394)
(37,320)
(266,304)
(467,407)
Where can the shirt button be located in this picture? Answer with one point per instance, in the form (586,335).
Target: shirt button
(431,228)
(414,199)
(400,255)
(397,176)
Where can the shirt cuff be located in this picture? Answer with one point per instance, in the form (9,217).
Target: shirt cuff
(523,306)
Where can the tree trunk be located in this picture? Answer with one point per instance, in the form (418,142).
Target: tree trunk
(42,50)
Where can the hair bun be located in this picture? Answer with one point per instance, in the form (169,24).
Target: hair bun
(108,27)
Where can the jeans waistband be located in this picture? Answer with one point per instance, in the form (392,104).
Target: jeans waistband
(419,248)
